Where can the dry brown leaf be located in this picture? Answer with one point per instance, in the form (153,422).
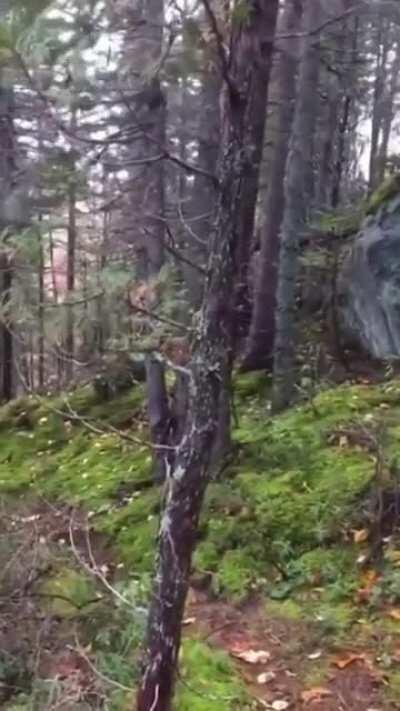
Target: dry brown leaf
(315,694)
(344,662)
(360,536)
(394,613)
(266,677)
(251,656)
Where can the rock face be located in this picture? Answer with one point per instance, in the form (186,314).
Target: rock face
(368,287)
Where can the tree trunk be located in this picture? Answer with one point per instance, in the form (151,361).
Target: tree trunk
(345,114)
(254,150)
(7,167)
(388,115)
(71,249)
(41,337)
(298,196)
(382,50)
(209,366)
(202,201)
(260,342)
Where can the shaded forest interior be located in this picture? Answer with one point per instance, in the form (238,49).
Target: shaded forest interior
(199,347)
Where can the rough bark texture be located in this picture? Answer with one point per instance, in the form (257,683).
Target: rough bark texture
(298,192)
(260,341)
(209,365)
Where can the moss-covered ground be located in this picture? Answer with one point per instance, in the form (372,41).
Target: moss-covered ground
(294,519)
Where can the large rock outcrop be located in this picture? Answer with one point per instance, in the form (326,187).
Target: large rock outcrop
(368,286)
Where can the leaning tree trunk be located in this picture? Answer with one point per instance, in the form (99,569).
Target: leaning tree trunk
(259,346)
(210,363)
(298,195)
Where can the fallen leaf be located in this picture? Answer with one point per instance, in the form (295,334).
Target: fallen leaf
(266,677)
(280,705)
(251,656)
(315,694)
(346,661)
(394,613)
(360,536)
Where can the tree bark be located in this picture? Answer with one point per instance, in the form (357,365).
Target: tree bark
(298,198)
(211,361)
(259,346)
(254,149)
(382,49)
(7,167)
(69,347)
(388,114)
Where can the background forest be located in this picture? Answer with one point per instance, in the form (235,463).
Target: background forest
(199,337)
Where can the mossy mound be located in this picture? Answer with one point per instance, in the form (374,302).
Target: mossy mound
(301,483)
(283,510)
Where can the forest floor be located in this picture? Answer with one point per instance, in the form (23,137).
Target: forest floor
(292,604)
(284,668)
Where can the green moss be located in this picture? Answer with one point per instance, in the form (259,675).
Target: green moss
(285,609)
(387,190)
(68,593)
(392,688)
(340,224)
(333,619)
(236,574)
(316,675)
(209,681)
(251,384)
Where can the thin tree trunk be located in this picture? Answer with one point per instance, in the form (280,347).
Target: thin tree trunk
(347,102)
(41,337)
(259,347)
(211,362)
(378,95)
(7,167)
(69,346)
(6,276)
(298,192)
(388,115)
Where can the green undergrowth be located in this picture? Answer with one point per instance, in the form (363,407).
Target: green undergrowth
(280,521)
(208,680)
(280,518)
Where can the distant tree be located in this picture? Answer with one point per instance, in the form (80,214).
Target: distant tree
(259,346)
(299,193)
